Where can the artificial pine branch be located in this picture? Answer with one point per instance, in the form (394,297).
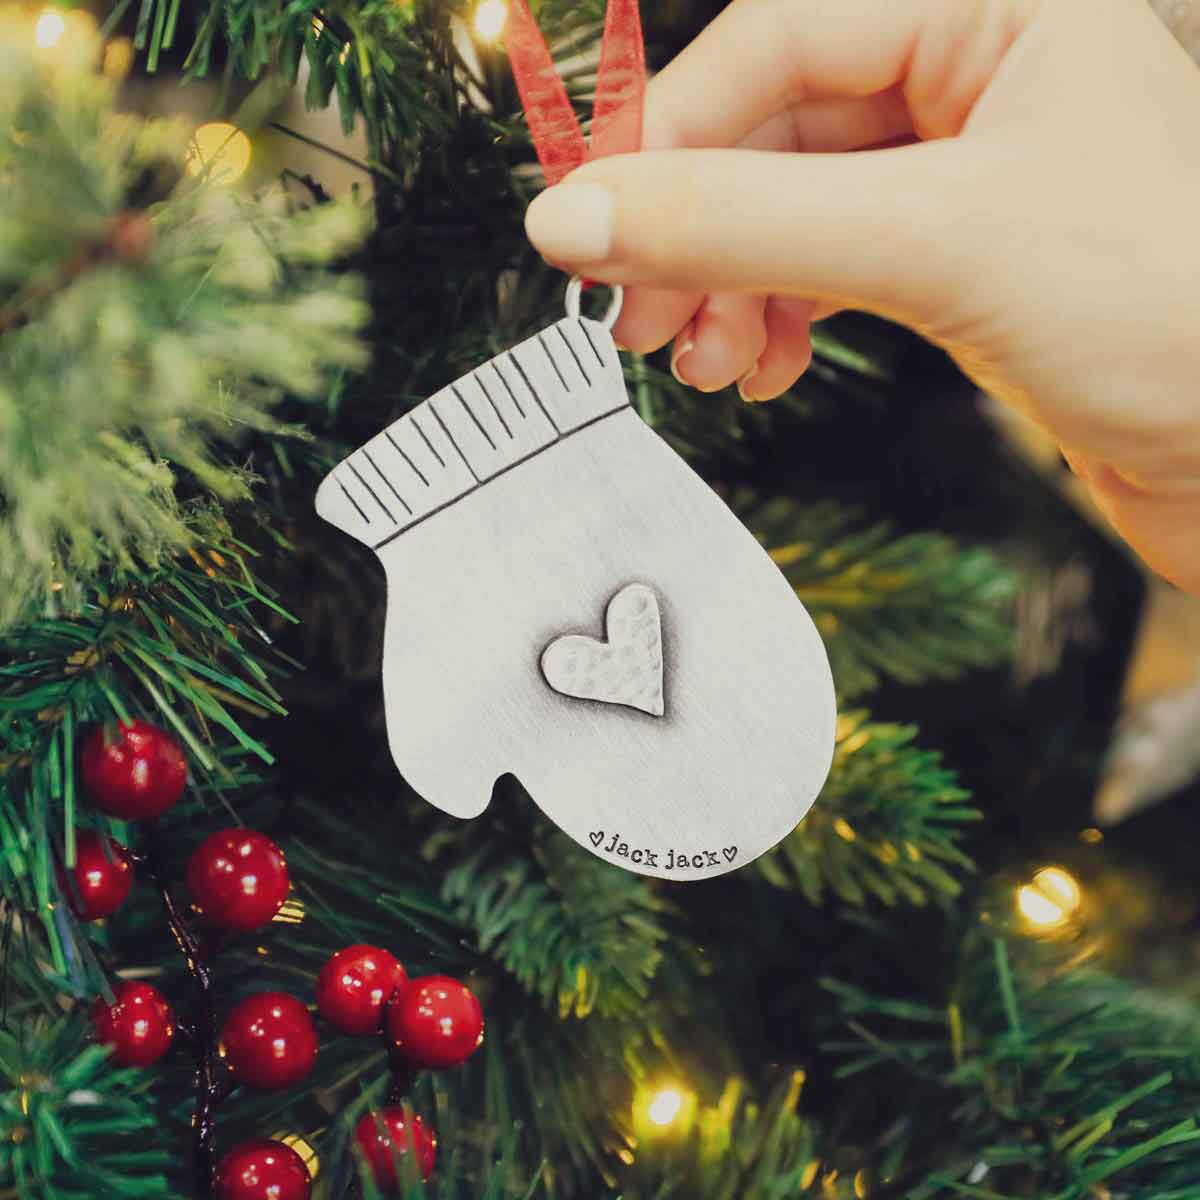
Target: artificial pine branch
(888,824)
(135,339)
(738,1148)
(72,1126)
(575,933)
(1058,1079)
(914,607)
(184,646)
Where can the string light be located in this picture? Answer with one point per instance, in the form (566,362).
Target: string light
(490,18)
(219,150)
(665,1107)
(49,29)
(1051,900)
(1060,886)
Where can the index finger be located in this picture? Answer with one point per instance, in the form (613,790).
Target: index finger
(761,56)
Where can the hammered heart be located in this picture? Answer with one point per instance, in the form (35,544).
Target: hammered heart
(626,669)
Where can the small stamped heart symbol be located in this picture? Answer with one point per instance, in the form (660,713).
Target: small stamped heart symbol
(596,838)
(730,853)
(626,669)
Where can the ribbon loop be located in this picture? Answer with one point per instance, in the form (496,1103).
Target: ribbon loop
(620,89)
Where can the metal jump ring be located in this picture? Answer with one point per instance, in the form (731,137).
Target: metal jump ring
(575,294)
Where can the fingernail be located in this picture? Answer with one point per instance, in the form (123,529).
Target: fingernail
(744,387)
(572,223)
(684,344)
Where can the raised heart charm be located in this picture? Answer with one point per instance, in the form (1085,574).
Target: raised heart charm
(626,669)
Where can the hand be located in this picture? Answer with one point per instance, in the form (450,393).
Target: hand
(1042,223)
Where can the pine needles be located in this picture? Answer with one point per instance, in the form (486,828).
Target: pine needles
(913,608)
(61,1102)
(1061,1079)
(135,337)
(575,933)
(887,825)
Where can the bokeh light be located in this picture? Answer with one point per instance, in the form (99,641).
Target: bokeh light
(490,19)
(220,151)
(1051,900)
(665,1106)
(49,29)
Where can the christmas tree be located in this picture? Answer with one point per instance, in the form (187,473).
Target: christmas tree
(238,953)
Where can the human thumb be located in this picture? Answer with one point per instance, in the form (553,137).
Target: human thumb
(872,229)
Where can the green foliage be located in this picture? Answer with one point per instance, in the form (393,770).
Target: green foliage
(735,1149)
(562,1088)
(136,380)
(1062,1081)
(572,931)
(182,646)
(73,1127)
(887,825)
(134,335)
(915,608)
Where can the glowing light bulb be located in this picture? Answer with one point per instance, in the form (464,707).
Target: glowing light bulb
(1051,899)
(665,1107)
(1059,886)
(490,18)
(219,150)
(1038,909)
(49,29)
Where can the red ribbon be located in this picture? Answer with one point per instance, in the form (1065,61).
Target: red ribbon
(620,89)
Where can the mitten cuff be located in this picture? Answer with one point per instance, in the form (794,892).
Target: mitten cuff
(518,405)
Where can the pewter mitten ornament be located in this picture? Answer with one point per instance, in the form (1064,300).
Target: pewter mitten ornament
(568,602)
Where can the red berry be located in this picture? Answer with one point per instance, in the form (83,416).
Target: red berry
(264,1170)
(102,877)
(355,985)
(436,1022)
(385,1137)
(135,773)
(238,879)
(269,1040)
(139,1025)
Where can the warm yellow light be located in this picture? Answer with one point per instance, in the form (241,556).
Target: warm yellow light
(118,58)
(1051,899)
(219,150)
(1059,886)
(1038,909)
(665,1106)
(49,29)
(844,829)
(490,18)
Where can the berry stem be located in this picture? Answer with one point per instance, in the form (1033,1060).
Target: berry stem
(404,1076)
(210,1089)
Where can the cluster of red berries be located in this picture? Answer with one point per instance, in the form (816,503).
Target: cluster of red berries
(237,878)
(431,1022)
(238,881)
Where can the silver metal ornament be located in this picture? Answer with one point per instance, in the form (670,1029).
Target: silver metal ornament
(568,602)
